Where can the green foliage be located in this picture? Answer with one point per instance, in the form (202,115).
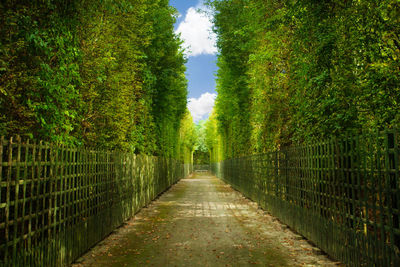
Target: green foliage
(110,71)
(232,104)
(165,79)
(213,138)
(108,74)
(296,71)
(201,153)
(39,74)
(187,138)
(200,130)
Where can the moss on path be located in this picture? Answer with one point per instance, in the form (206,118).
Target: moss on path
(201,221)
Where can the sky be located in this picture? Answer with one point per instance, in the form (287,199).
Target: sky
(195,29)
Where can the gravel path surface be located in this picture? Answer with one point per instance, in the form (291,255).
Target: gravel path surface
(201,221)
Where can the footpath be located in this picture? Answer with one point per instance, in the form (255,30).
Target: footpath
(201,221)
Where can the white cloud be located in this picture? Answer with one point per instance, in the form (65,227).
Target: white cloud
(196,32)
(202,106)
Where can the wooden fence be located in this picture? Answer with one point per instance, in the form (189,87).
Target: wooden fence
(344,195)
(56,202)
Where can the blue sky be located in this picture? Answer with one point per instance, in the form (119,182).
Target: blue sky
(195,30)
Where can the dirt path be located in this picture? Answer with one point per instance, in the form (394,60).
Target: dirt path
(201,221)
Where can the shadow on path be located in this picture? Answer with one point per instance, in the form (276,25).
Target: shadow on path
(201,221)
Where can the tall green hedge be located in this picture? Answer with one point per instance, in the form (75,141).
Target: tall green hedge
(106,73)
(295,71)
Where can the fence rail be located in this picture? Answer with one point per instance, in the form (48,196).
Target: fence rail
(343,195)
(56,202)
